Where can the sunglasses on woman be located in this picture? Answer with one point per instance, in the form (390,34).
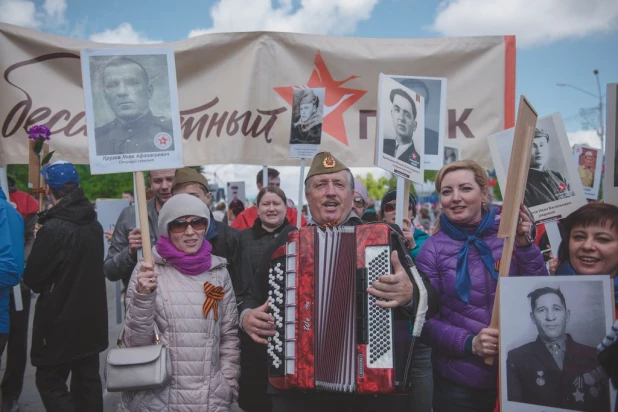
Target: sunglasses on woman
(390,207)
(181,225)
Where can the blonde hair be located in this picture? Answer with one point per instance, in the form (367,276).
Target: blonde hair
(480,177)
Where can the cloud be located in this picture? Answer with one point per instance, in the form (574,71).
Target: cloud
(123,34)
(25,13)
(335,17)
(588,137)
(533,22)
(19,12)
(54,10)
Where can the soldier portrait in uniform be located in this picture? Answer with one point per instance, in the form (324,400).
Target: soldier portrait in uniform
(128,91)
(544,185)
(552,362)
(586,168)
(306,127)
(131,106)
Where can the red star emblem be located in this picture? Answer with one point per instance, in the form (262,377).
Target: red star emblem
(337,99)
(562,187)
(414,156)
(163,140)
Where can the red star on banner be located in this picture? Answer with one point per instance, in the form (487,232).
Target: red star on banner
(337,99)
(163,140)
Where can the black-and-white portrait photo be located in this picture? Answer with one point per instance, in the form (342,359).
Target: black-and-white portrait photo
(131,101)
(433,90)
(128,91)
(550,330)
(403,117)
(451,154)
(307,117)
(552,175)
(400,142)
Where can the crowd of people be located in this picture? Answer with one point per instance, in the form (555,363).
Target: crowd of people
(205,294)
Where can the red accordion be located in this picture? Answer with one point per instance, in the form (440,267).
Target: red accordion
(330,334)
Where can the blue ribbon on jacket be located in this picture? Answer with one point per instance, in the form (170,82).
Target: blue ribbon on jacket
(462,279)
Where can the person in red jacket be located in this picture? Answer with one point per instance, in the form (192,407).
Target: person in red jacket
(246,218)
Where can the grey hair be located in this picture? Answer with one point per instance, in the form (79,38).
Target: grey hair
(350,182)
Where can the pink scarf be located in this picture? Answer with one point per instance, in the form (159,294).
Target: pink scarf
(186,264)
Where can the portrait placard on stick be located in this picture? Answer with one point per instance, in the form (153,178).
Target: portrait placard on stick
(553,189)
(433,90)
(589,164)
(610,184)
(548,343)
(235,199)
(306,127)
(400,140)
(132,114)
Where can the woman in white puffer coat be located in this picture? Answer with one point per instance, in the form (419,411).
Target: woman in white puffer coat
(188,294)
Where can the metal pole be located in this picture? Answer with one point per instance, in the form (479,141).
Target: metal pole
(601,129)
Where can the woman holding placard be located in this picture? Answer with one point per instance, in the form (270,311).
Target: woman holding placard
(271,221)
(186,295)
(461,260)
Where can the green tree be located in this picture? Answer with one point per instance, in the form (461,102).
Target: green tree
(95,186)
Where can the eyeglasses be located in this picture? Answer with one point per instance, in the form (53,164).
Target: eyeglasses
(359,202)
(180,225)
(390,207)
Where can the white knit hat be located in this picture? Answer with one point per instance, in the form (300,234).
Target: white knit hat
(179,206)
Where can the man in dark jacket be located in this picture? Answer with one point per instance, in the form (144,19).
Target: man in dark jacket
(127,238)
(65,267)
(554,370)
(329,189)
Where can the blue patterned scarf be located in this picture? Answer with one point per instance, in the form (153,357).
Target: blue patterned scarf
(462,279)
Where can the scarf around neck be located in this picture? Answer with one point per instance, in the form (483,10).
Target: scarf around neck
(185,263)
(462,279)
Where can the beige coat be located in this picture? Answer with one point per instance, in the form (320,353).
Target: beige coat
(205,353)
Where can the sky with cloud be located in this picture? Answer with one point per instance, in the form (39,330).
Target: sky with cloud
(559,41)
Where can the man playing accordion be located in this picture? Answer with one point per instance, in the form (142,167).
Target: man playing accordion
(329,190)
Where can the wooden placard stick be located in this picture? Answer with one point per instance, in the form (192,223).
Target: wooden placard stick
(143,217)
(514,194)
(35,180)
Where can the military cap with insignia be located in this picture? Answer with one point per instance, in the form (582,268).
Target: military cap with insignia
(188,175)
(325,163)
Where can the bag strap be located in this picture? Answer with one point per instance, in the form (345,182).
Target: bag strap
(156,334)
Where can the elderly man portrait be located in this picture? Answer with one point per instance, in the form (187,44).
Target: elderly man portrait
(128,90)
(586,170)
(403,115)
(543,185)
(329,190)
(554,370)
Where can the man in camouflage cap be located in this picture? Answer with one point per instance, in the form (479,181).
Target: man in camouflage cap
(329,190)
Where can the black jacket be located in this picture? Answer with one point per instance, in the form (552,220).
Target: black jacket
(225,241)
(255,241)
(66,268)
(533,377)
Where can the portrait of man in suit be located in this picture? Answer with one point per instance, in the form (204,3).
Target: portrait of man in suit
(128,91)
(555,370)
(403,115)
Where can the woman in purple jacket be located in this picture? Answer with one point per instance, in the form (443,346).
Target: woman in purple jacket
(462,261)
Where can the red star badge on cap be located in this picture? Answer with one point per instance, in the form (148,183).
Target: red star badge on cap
(337,99)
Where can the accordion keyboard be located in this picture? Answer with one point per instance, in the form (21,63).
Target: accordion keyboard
(380,320)
(275,347)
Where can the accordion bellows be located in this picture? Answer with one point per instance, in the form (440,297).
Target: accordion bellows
(330,335)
